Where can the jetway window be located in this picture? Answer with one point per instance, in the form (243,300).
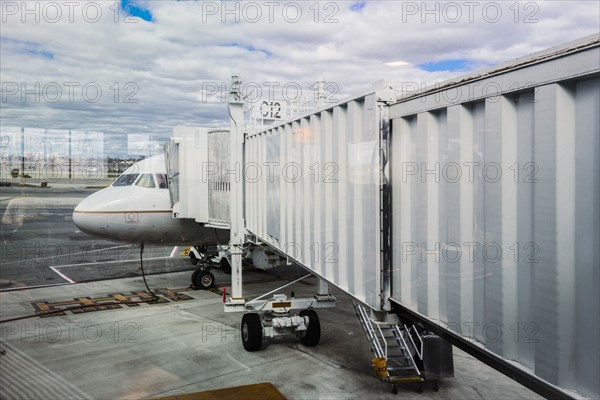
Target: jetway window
(126,180)
(163,183)
(146,180)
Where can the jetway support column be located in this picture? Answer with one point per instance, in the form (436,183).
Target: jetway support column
(237,230)
(323,288)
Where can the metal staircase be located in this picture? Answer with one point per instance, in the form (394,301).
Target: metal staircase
(395,343)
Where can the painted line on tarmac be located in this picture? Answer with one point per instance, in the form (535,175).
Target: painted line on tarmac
(17,288)
(112,262)
(66,278)
(69,254)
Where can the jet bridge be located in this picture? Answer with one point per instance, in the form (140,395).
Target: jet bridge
(199,184)
(469,208)
(313,192)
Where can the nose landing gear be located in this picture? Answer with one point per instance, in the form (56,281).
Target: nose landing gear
(203,279)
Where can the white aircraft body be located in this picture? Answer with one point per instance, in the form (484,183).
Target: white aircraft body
(136,208)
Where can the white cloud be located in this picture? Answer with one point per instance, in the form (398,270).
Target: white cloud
(165,64)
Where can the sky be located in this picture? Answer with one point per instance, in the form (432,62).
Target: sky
(142,68)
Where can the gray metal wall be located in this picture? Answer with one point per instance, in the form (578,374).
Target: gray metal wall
(186,155)
(312,189)
(218,177)
(495,211)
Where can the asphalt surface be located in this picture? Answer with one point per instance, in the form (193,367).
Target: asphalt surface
(43,247)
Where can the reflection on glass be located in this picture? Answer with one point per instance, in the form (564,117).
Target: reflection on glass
(162,181)
(146,181)
(125,180)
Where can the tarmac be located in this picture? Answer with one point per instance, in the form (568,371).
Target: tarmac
(188,344)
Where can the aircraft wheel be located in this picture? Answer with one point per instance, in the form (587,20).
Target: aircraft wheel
(312,335)
(195,276)
(203,279)
(251,332)
(224,265)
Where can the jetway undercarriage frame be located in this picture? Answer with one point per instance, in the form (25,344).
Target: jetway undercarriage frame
(274,316)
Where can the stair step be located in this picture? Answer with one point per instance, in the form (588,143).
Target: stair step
(402,364)
(391,341)
(398,360)
(398,379)
(400,368)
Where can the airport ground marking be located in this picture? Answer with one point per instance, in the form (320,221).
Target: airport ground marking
(109,302)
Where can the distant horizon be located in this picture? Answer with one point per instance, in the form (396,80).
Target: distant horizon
(113,145)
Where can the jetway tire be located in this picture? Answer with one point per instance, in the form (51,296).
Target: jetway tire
(225,266)
(312,336)
(193,259)
(251,332)
(203,279)
(419,387)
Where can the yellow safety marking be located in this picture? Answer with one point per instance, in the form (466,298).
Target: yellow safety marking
(282,304)
(186,251)
(258,391)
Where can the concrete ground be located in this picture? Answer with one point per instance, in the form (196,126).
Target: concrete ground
(176,347)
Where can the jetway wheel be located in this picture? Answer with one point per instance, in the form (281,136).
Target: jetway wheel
(251,332)
(419,387)
(193,259)
(203,279)
(312,335)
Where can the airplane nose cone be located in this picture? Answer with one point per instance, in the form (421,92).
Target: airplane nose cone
(79,217)
(86,218)
(84,221)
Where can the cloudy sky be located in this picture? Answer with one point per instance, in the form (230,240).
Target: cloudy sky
(141,68)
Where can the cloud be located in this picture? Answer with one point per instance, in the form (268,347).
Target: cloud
(24,47)
(155,70)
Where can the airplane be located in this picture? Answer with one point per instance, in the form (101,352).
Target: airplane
(136,208)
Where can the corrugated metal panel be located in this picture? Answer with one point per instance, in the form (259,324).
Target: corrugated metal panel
(172,161)
(317,198)
(186,155)
(218,177)
(495,213)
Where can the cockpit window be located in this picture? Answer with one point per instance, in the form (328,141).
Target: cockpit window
(146,181)
(125,180)
(163,183)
